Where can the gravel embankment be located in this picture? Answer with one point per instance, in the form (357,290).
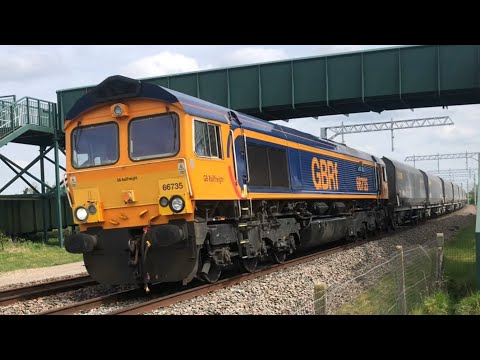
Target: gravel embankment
(52,301)
(43,281)
(282,292)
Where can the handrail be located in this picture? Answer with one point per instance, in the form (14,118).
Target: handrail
(25,111)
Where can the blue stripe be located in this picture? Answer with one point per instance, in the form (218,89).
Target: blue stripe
(302,178)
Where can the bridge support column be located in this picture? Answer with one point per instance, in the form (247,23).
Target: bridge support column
(44,198)
(58,193)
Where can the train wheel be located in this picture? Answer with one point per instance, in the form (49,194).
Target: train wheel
(392,225)
(279,256)
(363,234)
(213,274)
(249,265)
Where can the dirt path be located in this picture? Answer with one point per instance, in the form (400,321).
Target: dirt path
(40,274)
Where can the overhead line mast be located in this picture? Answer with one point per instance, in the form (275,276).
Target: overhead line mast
(385,126)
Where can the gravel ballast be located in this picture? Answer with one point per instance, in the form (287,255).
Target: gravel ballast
(285,291)
(37,305)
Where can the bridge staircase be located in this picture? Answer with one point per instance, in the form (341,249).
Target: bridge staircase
(32,121)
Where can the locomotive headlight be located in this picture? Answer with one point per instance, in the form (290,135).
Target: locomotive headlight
(92,209)
(81,214)
(177,203)
(163,201)
(117,110)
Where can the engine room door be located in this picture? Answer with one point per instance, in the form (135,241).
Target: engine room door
(240,155)
(242,161)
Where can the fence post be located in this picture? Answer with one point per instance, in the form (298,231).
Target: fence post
(320,298)
(402,298)
(439,262)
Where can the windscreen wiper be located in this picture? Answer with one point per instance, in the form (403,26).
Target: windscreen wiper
(77,137)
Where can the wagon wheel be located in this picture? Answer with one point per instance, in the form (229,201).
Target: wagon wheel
(392,225)
(213,273)
(364,232)
(279,256)
(249,264)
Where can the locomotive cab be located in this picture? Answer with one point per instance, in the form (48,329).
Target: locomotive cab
(129,186)
(146,167)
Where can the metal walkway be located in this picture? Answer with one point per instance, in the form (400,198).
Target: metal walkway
(27,121)
(376,80)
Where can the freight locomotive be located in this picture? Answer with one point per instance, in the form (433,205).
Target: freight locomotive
(166,187)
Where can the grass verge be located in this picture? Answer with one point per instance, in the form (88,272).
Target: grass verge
(458,296)
(25,254)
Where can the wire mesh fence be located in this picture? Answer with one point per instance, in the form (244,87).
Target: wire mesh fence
(396,286)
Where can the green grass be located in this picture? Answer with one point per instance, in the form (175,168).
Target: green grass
(458,296)
(469,305)
(459,257)
(377,299)
(25,254)
(436,304)
(381,296)
(443,303)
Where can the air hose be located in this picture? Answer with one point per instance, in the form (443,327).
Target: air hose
(145,246)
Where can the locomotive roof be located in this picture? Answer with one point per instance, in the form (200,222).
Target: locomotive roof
(118,87)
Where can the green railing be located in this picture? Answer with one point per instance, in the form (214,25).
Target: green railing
(26,111)
(5,103)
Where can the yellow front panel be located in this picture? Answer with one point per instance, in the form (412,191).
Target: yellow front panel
(174,186)
(128,192)
(86,198)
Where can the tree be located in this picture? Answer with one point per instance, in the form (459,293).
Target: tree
(30,190)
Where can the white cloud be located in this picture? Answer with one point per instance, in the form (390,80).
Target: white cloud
(28,64)
(163,63)
(250,55)
(456,132)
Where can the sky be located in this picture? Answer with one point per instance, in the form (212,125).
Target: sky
(39,71)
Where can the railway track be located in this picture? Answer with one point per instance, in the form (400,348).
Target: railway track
(170,299)
(11,296)
(205,289)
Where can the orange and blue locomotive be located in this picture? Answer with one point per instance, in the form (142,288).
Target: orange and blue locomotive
(166,187)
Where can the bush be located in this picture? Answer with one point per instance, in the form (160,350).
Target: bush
(437,304)
(469,305)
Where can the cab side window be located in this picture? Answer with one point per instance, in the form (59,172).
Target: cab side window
(207,140)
